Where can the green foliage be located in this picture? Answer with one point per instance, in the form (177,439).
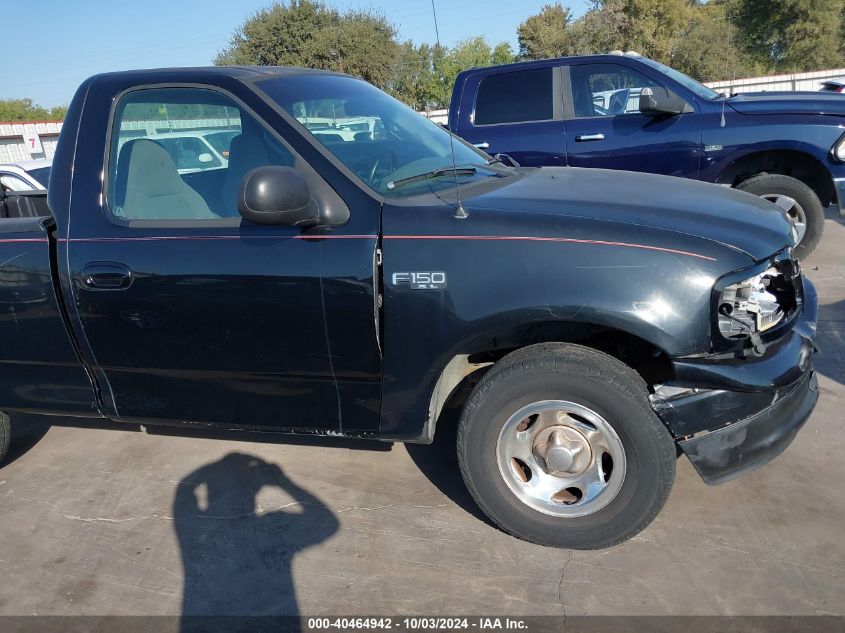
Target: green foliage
(791,35)
(546,34)
(17,110)
(697,38)
(654,26)
(708,49)
(424,75)
(310,34)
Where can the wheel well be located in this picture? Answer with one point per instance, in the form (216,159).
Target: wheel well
(464,371)
(648,360)
(792,163)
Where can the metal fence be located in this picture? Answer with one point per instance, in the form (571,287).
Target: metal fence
(26,141)
(791,83)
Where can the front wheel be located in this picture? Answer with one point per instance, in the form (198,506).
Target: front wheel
(558,445)
(801,204)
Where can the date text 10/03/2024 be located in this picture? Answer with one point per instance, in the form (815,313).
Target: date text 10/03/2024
(416,624)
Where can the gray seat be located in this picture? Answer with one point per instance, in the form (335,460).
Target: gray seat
(153,189)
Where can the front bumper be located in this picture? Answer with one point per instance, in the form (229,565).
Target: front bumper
(729,452)
(731,416)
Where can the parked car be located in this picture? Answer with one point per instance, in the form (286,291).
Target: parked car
(193,151)
(602,322)
(788,148)
(834,85)
(26,175)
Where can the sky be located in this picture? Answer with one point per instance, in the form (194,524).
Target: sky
(52,45)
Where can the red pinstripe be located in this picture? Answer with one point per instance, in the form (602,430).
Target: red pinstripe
(496,238)
(567,240)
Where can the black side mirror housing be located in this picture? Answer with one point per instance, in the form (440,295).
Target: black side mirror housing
(662,102)
(277,195)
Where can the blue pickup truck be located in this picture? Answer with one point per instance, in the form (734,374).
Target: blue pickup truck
(629,112)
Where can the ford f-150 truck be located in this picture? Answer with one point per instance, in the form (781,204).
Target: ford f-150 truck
(355,284)
(629,112)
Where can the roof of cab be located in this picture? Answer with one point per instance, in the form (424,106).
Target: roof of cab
(237,72)
(541,63)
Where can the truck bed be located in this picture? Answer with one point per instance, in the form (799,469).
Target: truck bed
(40,370)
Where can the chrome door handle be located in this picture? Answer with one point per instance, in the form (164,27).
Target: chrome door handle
(482,145)
(106,276)
(583,138)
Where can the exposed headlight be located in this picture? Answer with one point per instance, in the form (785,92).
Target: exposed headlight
(838,151)
(748,306)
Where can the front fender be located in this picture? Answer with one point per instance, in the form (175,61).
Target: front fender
(498,286)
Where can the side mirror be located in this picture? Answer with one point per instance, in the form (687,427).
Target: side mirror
(277,195)
(662,101)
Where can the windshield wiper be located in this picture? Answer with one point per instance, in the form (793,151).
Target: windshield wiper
(435,173)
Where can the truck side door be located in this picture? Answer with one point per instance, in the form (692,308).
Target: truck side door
(188,313)
(516,112)
(605,128)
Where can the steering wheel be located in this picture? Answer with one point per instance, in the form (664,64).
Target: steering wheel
(381,159)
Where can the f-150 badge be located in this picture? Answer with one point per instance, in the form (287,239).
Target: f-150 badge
(421,280)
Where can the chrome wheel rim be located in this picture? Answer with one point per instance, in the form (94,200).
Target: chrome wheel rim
(793,210)
(561,458)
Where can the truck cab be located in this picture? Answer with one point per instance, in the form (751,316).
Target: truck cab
(629,112)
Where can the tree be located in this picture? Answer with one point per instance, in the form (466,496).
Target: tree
(695,54)
(310,34)
(423,75)
(792,35)
(698,39)
(18,110)
(546,34)
(653,26)
(601,29)
(413,77)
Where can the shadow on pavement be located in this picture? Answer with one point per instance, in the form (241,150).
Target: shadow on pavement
(438,461)
(830,340)
(26,431)
(237,555)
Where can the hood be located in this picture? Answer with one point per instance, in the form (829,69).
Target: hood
(718,214)
(829,103)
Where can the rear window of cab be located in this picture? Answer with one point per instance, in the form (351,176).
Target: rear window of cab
(515,97)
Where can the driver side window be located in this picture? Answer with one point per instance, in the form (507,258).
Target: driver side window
(607,90)
(181,154)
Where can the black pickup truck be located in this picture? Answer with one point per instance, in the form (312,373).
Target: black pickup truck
(339,265)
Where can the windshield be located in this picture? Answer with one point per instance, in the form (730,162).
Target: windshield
(380,139)
(687,82)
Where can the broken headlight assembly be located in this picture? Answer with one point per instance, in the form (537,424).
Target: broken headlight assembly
(748,307)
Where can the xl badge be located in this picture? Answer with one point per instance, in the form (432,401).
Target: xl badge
(421,280)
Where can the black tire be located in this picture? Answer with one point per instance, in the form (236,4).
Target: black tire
(767,185)
(5,434)
(592,379)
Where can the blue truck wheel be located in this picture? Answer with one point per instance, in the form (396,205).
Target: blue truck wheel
(800,203)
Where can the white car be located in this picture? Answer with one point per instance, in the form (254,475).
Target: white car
(834,85)
(197,150)
(27,175)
